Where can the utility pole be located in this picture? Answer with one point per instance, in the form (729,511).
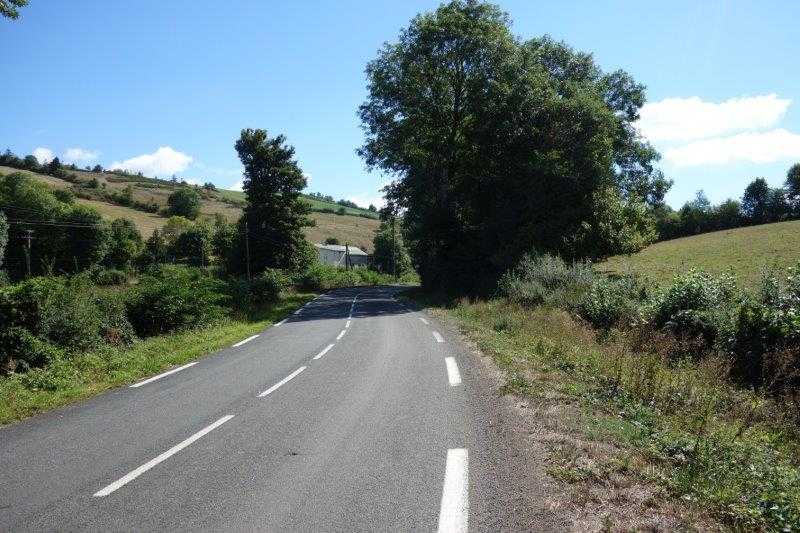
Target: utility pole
(247,247)
(347,256)
(28,237)
(394,246)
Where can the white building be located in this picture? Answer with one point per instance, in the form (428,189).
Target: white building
(335,254)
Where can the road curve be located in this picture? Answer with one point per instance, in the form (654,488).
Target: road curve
(353,414)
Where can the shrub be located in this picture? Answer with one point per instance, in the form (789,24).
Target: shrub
(22,304)
(267,286)
(174,297)
(20,350)
(109,276)
(696,304)
(547,279)
(612,302)
(184,202)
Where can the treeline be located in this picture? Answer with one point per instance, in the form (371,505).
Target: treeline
(760,204)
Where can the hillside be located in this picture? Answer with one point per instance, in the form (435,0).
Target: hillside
(149,197)
(741,251)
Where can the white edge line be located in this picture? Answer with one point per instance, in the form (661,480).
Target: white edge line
(423,320)
(454,510)
(248,339)
(438,336)
(453,375)
(279,323)
(341,334)
(282,382)
(323,352)
(165,374)
(127,478)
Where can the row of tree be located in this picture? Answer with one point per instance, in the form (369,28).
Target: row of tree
(760,204)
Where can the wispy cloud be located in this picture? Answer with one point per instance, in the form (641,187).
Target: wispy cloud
(164,161)
(757,147)
(43,155)
(687,119)
(80,155)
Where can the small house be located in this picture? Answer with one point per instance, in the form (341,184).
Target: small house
(335,254)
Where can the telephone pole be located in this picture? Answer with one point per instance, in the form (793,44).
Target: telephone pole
(28,237)
(247,248)
(347,256)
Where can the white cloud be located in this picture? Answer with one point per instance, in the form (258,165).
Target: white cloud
(237,186)
(43,155)
(759,147)
(686,119)
(163,162)
(80,155)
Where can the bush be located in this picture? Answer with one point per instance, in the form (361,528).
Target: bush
(548,280)
(175,297)
(613,302)
(266,287)
(20,350)
(184,202)
(109,276)
(697,304)
(22,304)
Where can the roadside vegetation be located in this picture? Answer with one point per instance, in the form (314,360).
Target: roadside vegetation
(87,304)
(693,386)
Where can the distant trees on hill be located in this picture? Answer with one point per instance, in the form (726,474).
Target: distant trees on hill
(759,204)
(185,202)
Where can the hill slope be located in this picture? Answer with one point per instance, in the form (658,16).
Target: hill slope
(741,251)
(97,190)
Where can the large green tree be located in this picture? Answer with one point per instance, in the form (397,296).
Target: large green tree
(500,147)
(755,201)
(275,214)
(185,202)
(390,254)
(792,187)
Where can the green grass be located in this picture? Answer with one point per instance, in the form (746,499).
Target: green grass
(744,252)
(678,425)
(23,395)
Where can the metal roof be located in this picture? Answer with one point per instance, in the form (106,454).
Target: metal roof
(354,250)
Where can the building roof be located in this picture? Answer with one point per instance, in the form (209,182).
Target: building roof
(354,250)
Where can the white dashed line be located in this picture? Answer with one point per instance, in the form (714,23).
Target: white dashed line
(341,334)
(347,325)
(438,336)
(248,339)
(165,374)
(323,352)
(423,320)
(282,382)
(127,478)
(453,375)
(454,510)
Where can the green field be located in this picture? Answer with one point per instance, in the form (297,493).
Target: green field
(744,252)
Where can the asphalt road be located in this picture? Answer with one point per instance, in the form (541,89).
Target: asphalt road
(356,413)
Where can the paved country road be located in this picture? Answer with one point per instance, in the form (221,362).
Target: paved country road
(356,413)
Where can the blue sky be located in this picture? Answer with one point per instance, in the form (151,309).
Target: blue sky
(167,86)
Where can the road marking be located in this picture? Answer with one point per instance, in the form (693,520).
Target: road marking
(352,305)
(323,352)
(127,478)
(282,382)
(298,311)
(347,325)
(279,323)
(248,339)
(423,320)
(454,510)
(438,336)
(341,334)
(165,374)
(453,375)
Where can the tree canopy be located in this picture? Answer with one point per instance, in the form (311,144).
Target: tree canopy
(185,202)
(500,147)
(275,214)
(8,8)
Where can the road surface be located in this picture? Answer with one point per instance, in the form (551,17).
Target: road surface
(355,413)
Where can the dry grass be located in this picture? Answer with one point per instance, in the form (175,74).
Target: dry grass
(358,231)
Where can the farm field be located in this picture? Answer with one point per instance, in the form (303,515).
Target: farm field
(744,252)
(357,230)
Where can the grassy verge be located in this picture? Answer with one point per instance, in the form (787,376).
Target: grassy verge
(22,395)
(729,454)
